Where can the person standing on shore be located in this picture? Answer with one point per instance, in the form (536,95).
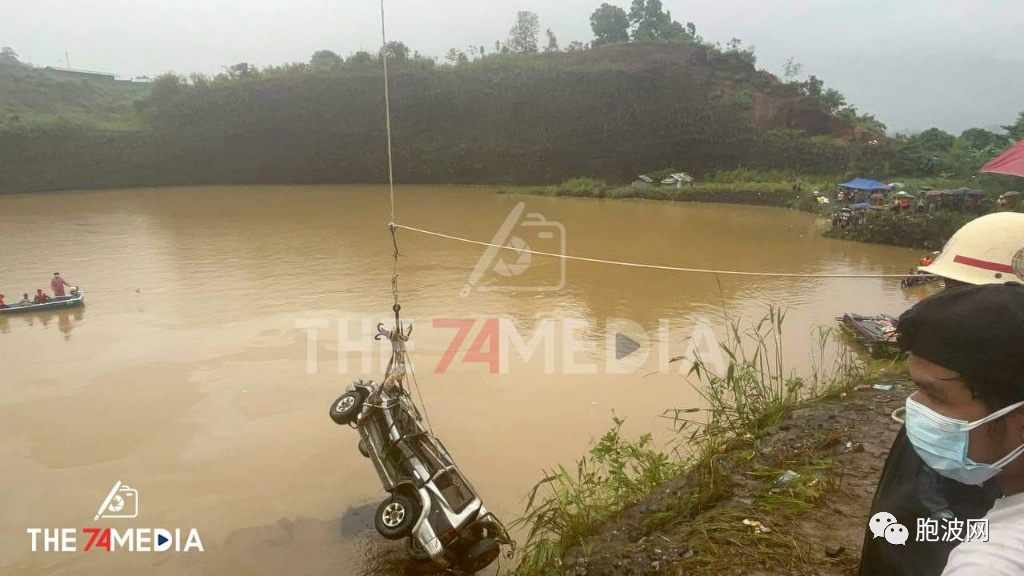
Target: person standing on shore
(58,284)
(965,420)
(987,250)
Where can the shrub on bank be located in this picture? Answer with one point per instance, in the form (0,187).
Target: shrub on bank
(581,187)
(929,232)
(753,193)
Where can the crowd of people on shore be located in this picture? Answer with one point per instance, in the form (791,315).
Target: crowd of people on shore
(853,206)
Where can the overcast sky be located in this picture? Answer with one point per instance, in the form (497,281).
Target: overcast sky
(913,63)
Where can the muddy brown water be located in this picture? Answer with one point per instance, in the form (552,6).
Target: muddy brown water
(189,375)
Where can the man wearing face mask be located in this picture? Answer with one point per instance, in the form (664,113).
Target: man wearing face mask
(966,419)
(987,250)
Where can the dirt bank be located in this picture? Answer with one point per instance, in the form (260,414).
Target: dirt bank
(740,515)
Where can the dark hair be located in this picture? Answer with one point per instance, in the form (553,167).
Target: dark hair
(976,331)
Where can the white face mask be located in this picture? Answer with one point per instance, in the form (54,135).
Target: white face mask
(942,443)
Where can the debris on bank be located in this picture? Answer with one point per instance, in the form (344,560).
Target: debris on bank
(794,501)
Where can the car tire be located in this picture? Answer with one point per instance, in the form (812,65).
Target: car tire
(363,450)
(395,517)
(416,550)
(346,408)
(480,556)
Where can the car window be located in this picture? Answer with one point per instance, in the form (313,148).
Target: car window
(455,490)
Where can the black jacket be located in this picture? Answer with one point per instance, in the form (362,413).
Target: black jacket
(909,490)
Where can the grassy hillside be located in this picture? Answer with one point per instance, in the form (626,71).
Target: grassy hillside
(34,97)
(610,113)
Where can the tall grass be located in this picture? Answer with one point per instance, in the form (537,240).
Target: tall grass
(751,396)
(618,473)
(757,388)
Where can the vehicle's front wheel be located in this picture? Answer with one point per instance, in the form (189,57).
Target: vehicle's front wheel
(395,517)
(363,450)
(480,556)
(416,550)
(346,408)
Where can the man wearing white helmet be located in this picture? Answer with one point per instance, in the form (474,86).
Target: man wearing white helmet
(987,250)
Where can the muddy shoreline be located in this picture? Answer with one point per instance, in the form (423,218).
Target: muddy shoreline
(758,521)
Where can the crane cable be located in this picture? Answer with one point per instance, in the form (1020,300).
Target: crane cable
(400,360)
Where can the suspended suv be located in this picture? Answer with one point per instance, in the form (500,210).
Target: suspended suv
(431,504)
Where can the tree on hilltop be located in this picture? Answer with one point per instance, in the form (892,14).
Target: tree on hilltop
(610,25)
(525,34)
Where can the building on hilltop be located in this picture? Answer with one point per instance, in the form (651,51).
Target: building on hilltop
(75,73)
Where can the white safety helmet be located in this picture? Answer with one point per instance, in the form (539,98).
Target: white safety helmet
(986,250)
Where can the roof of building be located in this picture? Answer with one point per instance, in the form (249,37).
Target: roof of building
(78,71)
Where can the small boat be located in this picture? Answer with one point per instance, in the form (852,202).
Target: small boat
(875,333)
(60,303)
(918,278)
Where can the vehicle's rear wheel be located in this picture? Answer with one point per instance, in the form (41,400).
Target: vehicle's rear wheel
(346,408)
(395,517)
(416,550)
(480,556)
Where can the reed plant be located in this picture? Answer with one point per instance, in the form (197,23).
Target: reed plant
(754,392)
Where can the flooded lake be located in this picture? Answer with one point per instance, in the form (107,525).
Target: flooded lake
(221,322)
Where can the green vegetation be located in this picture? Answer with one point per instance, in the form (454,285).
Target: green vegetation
(503,119)
(36,98)
(751,193)
(929,232)
(618,473)
(938,153)
(776,188)
(751,396)
(647,91)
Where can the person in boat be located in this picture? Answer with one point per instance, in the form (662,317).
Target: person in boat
(926,261)
(58,284)
(25,301)
(41,297)
(981,252)
(3,304)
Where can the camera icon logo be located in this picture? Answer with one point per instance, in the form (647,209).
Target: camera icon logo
(121,502)
(522,237)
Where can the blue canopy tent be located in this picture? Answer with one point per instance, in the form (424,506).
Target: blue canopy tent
(864,184)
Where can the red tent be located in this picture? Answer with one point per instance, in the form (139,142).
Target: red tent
(1010,162)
